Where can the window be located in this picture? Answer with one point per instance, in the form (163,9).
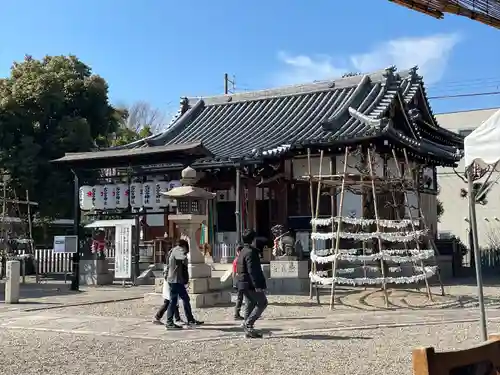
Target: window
(465,132)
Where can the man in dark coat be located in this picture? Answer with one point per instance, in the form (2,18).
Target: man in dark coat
(252,282)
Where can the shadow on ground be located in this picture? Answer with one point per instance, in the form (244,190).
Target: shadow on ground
(321,337)
(42,290)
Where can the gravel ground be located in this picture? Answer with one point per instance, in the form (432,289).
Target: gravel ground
(383,351)
(351,300)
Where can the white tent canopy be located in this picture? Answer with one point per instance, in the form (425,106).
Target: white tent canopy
(482,146)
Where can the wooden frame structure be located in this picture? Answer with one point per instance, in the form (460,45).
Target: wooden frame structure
(367,182)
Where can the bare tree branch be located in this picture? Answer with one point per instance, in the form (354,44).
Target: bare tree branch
(142,114)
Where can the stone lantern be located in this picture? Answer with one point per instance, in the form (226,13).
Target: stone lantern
(191,212)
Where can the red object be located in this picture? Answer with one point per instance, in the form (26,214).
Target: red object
(98,246)
(89,194)
(235,265)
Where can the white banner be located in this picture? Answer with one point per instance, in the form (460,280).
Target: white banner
(123,251)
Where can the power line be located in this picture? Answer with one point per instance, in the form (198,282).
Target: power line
(465,95)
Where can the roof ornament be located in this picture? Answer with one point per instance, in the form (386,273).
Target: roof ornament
(415,114)
(389,72)
(184,105)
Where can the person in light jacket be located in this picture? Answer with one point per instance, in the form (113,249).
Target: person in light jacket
(178,278)
(166,301)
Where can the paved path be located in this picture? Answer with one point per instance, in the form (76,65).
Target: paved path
(55,295)
(134,328)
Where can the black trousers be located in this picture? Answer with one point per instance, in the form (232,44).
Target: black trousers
(163,310)
(256,303)
(239,303)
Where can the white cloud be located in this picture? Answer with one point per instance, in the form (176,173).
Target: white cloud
(431,54)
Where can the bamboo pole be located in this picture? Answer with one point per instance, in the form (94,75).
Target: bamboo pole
(332,198)
(429,237)
(375,208)
(398,217)
(318,196)
(313,226)
(363,203)
(339,226)
(410,215)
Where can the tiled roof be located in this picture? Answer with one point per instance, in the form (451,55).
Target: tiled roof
(269,122)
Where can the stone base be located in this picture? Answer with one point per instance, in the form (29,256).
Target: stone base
(199,270)
(288,286)
(196,286)
(289,269)
(95,272)
(210,299)
(266,268)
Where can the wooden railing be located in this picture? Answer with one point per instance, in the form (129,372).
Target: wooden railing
(483,359)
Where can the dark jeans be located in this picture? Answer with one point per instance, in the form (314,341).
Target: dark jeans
(163,310)
(179,291)
(256,304)
(239,303)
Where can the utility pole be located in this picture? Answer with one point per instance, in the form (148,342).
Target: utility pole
(228,82)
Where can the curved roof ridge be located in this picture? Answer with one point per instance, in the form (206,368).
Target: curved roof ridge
(299,89)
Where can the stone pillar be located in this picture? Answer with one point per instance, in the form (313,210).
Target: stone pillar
(95,272)
(289,277)
(13,273)
(204,290)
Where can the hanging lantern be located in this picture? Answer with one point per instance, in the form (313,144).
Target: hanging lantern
(136,195)
(98,197)
(148,194)
(85,198)
(172,185)
(160,199)
(121,195)
(109,196)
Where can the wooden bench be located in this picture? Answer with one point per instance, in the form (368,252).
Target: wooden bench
(483,359)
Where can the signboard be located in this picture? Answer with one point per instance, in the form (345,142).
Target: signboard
(123,251)
(65,244)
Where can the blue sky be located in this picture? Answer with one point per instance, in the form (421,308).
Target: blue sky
(160,50)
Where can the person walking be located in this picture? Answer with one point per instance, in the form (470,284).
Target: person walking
(252,283)
(239,296)
(178,278)
(166,301)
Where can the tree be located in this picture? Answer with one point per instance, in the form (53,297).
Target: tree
(138,121)
(141,115)
(439,209)
(480,190)
(49,107)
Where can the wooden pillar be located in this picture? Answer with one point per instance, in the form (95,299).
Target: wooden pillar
(252,205)
(281,194)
